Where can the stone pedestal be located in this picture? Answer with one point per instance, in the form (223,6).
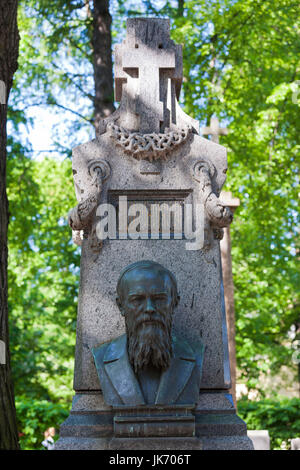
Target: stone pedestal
(90,426)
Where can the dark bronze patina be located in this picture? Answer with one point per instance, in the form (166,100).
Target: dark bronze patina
(148,365)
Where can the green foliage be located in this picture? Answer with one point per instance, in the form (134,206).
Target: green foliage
(43,268)
(240,63)
(35,417)
(55,68)
(279,416)
(42,275)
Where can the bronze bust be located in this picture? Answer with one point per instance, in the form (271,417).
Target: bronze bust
(148,365)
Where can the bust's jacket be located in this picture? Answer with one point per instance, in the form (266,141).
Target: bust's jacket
(179,384)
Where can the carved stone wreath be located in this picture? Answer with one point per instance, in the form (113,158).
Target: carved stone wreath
(148,146)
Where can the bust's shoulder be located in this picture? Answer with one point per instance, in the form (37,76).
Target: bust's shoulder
(109,349)
(197,346)
(189,350)
(182,344)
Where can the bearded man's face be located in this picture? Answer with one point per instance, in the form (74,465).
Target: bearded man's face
(147,304)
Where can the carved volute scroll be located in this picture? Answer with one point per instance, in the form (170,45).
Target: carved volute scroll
(218,214)
(82,217)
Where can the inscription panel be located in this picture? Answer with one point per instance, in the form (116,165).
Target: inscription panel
(158,214)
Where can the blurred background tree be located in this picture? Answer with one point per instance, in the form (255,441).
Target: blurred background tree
(240,63)
(9,40)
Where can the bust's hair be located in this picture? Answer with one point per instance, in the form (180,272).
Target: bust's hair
(147,264)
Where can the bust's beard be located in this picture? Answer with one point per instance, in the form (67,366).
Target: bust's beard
(150,345)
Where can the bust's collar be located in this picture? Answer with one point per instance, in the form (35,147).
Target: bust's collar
(116,349)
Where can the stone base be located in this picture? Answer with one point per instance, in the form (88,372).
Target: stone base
(90,426)
(223,443)
(154,422)
(150,443)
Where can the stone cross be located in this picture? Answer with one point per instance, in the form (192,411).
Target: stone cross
(149,64)
(214,130)
(225,245)
(144,62)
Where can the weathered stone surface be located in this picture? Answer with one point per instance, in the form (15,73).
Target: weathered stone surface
(154,422)
(162,443)
(91,426)
(81,443)
(215,403)
(227,443)
(219,425)
(148,77)
(199,313)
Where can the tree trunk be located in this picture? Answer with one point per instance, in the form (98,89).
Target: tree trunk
(9,45)
(180,8)
(103,76)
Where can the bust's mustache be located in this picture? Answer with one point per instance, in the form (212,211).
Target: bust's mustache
(153,319)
